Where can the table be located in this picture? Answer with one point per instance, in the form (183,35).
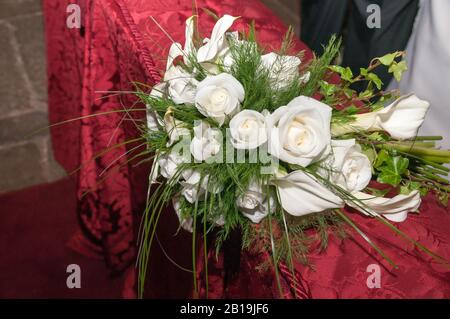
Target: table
(117,44)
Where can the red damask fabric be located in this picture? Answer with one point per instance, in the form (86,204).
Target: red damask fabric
(119,43)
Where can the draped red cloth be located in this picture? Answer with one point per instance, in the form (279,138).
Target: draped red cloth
(118,44)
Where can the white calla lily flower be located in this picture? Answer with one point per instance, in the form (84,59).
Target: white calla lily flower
(301,194)
(395,209)
(401,119)
(185,222)
(176,129)
(217,46)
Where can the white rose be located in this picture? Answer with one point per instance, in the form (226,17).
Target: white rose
(181,86)
(219,96)
(192,191)
(248,129)
(299,133)
(185,222)
(401,119)
(283,69)
(168,164)
(302,194)
(254,203)
(346,166)
(207,141)
(395,209)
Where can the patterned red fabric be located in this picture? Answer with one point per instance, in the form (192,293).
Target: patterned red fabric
(120,44)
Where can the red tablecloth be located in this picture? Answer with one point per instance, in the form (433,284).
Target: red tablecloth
(118,44)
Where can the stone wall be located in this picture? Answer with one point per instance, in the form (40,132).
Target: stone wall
(24,161)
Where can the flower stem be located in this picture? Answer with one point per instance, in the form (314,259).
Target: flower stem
(419,151)
(428,138)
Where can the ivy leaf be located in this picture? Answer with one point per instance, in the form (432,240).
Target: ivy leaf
(388,58)
(382,157)
(397,69)
(327,89)
(409,186)
(375,79)
(391,172)
(377,136)
(370,153)
(365,94)
(345,73)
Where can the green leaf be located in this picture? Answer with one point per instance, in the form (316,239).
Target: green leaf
(375,79)
(365,94)
(370,153)
(382,157)
(423,191)
(397,69)
(348,92)
(443,198)
(345,73)
(377,136)
(391,172)
(327,89)
(388,58)
(409,186)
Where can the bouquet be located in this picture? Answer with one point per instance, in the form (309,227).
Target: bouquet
(266,144)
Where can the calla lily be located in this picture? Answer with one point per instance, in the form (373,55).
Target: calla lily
(395,209)
(301,194)
(154,121)
(217,45)
(401,119)
(185,222)
(175,128)
(176,50)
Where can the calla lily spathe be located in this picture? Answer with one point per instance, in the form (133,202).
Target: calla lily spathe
(217,46)
(301,194)
(401,119)
(395,209)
